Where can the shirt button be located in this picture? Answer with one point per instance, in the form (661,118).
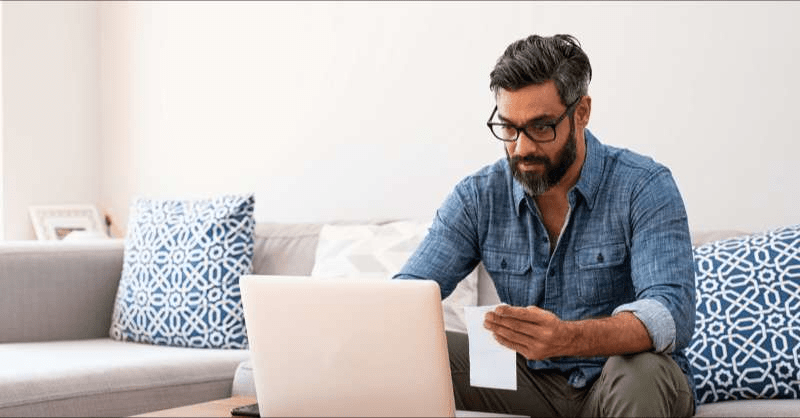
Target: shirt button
(552,272)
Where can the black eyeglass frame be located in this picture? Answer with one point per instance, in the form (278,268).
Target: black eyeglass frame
(551,125)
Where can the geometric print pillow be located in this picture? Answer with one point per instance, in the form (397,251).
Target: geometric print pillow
(746,343)
(180,274)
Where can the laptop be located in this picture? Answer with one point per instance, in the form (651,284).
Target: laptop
(347,347)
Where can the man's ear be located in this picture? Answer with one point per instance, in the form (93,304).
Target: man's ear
(583,111)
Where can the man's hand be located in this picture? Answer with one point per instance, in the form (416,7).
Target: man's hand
(539,334)
(533,332)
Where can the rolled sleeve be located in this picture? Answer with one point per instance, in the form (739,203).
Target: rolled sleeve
(657,319)
(662,266)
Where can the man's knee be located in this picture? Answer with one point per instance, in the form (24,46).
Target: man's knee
(637,369)
(645,374)
(642,384)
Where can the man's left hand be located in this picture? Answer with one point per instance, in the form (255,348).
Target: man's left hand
(533,332)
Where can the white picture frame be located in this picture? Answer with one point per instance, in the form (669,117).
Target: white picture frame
(54,222)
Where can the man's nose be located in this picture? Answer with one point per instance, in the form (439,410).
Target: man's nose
(525,146)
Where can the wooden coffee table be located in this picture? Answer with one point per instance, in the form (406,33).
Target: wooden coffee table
(217,408)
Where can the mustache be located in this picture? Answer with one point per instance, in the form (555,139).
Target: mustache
(529,159)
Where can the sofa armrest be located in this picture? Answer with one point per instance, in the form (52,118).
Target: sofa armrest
(58,290)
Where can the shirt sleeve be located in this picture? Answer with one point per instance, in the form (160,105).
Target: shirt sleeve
(657,319)
(449,252)
(662,265)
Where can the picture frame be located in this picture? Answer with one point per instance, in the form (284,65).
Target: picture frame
(55,222)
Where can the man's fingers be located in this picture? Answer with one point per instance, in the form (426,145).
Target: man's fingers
(521,327)
(530,331)
(530,320)
(510,344)
(510,339)
(529,314)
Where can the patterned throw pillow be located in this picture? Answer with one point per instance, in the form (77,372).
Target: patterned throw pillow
(180,276)
(747,335)
(379,252)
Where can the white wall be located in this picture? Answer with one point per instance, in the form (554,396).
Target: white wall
(326,111)
(50,135)
(375,110)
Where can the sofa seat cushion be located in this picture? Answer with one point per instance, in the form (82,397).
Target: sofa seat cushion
(751,408)
(103,377)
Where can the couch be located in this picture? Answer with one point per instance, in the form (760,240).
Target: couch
(56,358)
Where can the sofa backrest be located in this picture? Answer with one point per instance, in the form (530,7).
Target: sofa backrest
(702,237)
(53,291)
(285,248)
(57,291)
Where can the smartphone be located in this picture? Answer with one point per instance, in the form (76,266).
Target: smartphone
(246,410)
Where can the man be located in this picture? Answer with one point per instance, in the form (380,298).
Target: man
(587,244)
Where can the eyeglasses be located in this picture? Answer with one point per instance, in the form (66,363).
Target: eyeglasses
(537,132)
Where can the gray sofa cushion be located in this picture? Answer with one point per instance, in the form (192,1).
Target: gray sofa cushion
(106,377)
(54,290)
(751,408)
(285,248)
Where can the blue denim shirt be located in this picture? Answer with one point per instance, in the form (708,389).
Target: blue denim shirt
(625,247)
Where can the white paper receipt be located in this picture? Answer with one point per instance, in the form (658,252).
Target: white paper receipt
(490,364)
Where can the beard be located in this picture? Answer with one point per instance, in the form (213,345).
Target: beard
(534,183)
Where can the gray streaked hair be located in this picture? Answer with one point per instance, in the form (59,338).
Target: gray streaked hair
(537,59)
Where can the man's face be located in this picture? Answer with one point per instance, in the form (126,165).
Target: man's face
(537,166)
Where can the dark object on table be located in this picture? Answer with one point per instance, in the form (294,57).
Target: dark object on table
(246,410)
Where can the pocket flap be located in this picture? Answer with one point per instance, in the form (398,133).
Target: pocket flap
(600,256)
(506,262)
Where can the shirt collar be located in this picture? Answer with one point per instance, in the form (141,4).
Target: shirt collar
(592,170)
(517,191)
(589,180)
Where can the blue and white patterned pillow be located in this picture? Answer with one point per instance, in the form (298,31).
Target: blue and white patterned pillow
(747,335)
(180,276)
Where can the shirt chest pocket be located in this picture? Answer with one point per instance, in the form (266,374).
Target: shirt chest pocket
(510,273)
(603,274)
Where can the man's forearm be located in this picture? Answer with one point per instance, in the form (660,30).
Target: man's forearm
(538,334)
(623,333)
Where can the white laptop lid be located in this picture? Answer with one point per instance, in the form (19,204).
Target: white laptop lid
(347,347)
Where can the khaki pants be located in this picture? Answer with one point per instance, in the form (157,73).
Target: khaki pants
(645,384)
